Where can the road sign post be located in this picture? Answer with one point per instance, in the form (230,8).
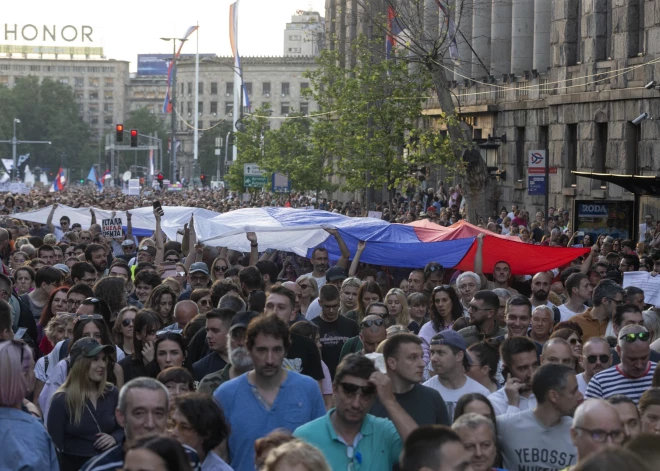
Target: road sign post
(254,181)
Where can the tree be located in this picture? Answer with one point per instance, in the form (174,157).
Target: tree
(377,115)
(250,145)
(208,161)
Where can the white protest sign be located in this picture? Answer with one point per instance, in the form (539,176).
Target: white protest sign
(375,214)
(112,228)
(645,281)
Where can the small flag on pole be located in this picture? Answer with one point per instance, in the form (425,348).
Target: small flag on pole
(60,181)
(167,104)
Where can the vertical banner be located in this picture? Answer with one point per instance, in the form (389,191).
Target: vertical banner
(233,40)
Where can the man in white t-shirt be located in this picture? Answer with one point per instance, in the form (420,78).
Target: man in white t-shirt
(579,290)
(596,357)
(450,361)
(320,259)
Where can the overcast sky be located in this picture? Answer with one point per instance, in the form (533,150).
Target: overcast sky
(126,29)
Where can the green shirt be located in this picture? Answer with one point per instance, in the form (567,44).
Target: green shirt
(376,448)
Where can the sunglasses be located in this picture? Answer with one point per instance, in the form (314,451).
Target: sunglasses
(92,301)
(166,333)
(369,323)
(575,341)
(304,286)
(127,322)
(618,302)
(87,317)
(442,287)
(603,358)
(351,389)
(630,338)
(217,268)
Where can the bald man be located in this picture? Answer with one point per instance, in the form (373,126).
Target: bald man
(558,351)
(541,289)
(595,358)
(184,311)
(596,425)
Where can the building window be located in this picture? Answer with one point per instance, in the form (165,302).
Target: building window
(108,95)
(190,90)
(76,68)
(265,89)
(19,67)
(109,82)
(294,37)
(64,80)
(544,87)
(304,108)
(94,120)
(522,90)
(95,70)
(108,107)
(248,88)
(94,95)
(80,81)
(189,107)
(600,154)
(501,93)
(35,68)
(5,67)
(93,108)
(200,107)
(79,94)
(304,85)
(214,108)
(107,120)
(285,109)
(200,88)
(295,50)
(229,88)
(520,154)
(200,124)
(285,89)
(570,178)
(214,88)
(229,107)
(183,87)
(94,82)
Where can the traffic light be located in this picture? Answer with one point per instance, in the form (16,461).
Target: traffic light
(202,178)
(160,179)
(134,137)
(120,133)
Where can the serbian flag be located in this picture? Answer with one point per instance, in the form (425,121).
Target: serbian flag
(393,30)
(107,174)
(167,104)
(59,182)
(451,30)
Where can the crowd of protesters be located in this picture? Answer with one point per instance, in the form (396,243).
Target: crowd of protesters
(155,354)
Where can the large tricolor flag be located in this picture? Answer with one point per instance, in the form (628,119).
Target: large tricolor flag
(393,30)
(167,104)
(238,76)
(451,30)
(59,182)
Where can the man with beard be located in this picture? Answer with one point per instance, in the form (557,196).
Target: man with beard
(483,318)
(320,258)
(501,270)
(595,358)
(95,254)
(519,361)
(239,359)
(539,438)
(541,289)
(405,368)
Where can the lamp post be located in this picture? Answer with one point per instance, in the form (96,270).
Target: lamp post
(173,164)
(14,142)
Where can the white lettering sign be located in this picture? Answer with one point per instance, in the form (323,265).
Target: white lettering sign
(47,33)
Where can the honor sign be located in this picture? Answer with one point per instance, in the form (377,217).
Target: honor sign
(47,33)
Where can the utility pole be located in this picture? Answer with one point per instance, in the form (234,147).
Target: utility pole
(14,142)
(173,163)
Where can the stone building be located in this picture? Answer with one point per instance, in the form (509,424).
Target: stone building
(304,35)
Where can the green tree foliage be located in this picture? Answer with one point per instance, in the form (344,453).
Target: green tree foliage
(250,143)
(208,161)
(48,112)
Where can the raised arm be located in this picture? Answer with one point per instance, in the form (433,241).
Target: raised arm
(356,260)
(49,221)
(254,248)
(479,260)
(129,226)
(91,211)
(343,248)
(588,262)
(160,246)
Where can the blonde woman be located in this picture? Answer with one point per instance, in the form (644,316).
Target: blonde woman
(397,306)
(81,418)
(297,455)
(349,295)
(310,291)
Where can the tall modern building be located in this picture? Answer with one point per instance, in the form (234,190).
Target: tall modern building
(569,76)
(304,35)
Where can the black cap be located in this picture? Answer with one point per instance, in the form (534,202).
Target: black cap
(242,319)
(335,273)
(86,347)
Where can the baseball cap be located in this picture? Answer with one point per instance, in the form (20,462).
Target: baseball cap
(199,267)
(430,209)
(86,347)
(127,243)
(61,267)
(147,248)
(451,338)
(242,319)
(335,273)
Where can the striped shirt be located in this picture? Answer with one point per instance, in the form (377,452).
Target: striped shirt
(614,381)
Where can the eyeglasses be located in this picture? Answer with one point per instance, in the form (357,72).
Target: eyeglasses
(127,322)
(165,333)
(618,302)
(575,341)
(351,390)
(369,323)
(87,317)
(217,268)
(73,303)
(601,436)
(602,358)
(304,286)
(330,307)
(630,338)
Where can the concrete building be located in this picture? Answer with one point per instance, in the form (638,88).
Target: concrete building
(146,92)
(99,85)
(277,81)
(304,35)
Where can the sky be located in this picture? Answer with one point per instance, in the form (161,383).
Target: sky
(126,29)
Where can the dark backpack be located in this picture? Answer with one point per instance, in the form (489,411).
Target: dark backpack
(557,318)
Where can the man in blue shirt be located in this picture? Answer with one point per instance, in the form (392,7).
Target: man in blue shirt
(270,396)
(348,436)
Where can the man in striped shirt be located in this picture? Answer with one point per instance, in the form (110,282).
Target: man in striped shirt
(634,374)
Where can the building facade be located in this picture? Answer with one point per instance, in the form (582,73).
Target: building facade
(277,81)
(99,85)
(304,35)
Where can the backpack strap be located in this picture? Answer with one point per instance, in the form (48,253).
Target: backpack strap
(557,318)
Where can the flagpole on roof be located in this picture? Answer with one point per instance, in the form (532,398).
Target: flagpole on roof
(196,131)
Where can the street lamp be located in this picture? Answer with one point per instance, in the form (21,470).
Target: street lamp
(173,164)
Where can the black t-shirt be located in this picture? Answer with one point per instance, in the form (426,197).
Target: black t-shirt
(207,365)
(333,337)
(303,357)
(198,348)
(425,405)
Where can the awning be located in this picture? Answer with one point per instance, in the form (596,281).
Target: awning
(640,185)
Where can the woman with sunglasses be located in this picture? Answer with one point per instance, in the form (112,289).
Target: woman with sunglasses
(123,329)
(368,293)
(162,300)
(146,324)
(25,442)
(56,303)
(81,418)
(202,297)
(310,292)
(445,309)
(218,268)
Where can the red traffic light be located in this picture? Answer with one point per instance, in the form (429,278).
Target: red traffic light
(120,127)
(134,133)
(134,137)
(119,137)
(160,177)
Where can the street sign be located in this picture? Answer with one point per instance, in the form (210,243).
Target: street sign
(252,170)
(541,171)
(536,185)
(536,159)
(280,183)
(254,181)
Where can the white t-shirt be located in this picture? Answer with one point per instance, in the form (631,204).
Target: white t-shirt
(451,396)
(582,384)
(313,310)
(319,281)
(566,313)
